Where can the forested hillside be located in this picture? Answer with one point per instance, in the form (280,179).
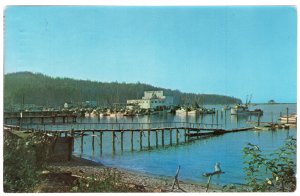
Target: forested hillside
(39,89)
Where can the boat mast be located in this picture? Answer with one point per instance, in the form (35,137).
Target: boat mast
(250,99)
(246,101)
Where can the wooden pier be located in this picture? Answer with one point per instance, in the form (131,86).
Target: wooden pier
(182,132)
(42,117)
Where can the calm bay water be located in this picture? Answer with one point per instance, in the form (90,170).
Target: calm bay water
(196,157)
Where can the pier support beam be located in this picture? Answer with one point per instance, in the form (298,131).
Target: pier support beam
(217,118)
(149,139)
(122,133)
(113,142)
(72,135)
(131,139)
(171,136)
(81,144)
(163,137)
(177,136)
(141,140)
(156,138)
(93,142)
(100,143)
(184,134)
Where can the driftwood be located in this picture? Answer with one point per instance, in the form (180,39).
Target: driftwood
(209,175)
(217,171)
(176,180)
(213,173)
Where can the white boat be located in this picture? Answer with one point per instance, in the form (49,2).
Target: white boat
(183,111)
(239,109)
(193,112)
(292,119)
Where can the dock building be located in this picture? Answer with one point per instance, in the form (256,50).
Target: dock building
(151,100)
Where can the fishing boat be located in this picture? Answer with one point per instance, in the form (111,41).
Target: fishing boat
(186,111)
(204,110)
(291,119)
(244,109)
(239,109)
(129,113)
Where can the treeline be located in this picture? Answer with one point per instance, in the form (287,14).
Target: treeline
(39,89)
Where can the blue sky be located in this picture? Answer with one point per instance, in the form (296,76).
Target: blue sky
(232,51)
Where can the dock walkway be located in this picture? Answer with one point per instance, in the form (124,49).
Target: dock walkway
(142,131)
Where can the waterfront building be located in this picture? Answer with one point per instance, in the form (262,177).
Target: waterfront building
(151,100)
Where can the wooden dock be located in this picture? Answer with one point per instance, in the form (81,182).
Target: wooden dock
(169,133)
(42,117)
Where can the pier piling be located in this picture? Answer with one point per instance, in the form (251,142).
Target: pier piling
(113,142)
(149,139)
(81,144)
(171,136)
(131,139)
(100,143)
(141,140)
(217,117)
(122,132)
(177,136)
(93,142)
(163,137)
(156,138)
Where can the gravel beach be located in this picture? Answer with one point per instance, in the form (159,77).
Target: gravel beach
(82,168)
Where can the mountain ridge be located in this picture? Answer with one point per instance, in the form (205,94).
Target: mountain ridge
(40,89)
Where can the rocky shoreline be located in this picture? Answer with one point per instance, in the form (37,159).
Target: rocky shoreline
(137,182)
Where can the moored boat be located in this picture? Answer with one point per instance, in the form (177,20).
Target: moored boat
(291,119)
(239,109)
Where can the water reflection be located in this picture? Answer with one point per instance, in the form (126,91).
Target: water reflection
(196,157)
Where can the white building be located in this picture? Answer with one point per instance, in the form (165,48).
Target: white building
(152,100)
